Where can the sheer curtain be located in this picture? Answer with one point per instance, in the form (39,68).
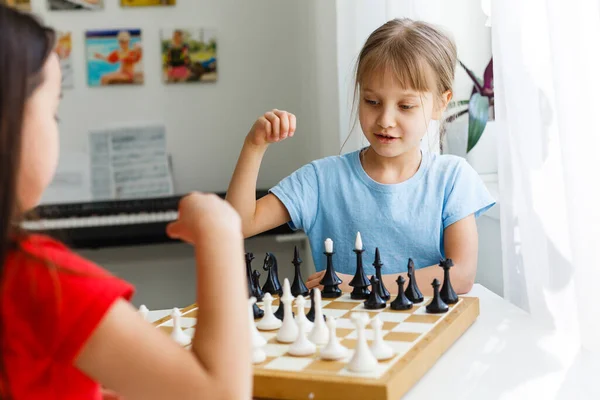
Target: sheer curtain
(546,70)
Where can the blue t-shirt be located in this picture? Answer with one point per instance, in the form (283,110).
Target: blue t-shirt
(335,198)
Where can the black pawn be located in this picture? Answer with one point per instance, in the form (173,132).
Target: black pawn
(360,282)
(374,302)
(272,285)
(437,305)
(330,280)
(401,302)
(279,312)
(383,292)
(258,293)
(412,290)
(447,293)
(258,313)
(298,286)
(311,312)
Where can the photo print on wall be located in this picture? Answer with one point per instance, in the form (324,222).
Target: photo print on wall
(63,50)
(22,5)
(91,5)
(147,3)
(189,55)
(114,57)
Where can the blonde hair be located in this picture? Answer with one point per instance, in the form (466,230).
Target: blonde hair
(419,55)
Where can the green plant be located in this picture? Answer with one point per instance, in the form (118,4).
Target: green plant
(480,106)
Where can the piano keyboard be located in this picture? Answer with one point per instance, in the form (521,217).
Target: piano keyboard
(113,222)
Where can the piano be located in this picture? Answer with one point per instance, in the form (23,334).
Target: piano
(113,223)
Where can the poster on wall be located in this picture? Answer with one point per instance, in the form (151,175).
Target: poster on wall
(147,3)
(114,57)
(22,5)
(75,4)
(63,50)
(189,55)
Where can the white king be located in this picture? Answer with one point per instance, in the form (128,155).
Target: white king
(358,244)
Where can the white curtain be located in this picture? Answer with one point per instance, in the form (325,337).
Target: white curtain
(546,72)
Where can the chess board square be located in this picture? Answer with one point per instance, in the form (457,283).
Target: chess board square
(379,370)
(262,364)
(325,366)
(393,316)
(343,332)
(340,305)
(371,315)
(328,312)
(425,319)
(351,343)
(344,323)
(346,297)
(369,334)
(275,350)
(289,363)
(388,326)
(166,329)
(401,336)
(416,327)
(361,307)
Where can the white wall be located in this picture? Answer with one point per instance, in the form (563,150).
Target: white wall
(264,50)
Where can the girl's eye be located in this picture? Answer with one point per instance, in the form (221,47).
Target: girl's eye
(406,107)
(371,102)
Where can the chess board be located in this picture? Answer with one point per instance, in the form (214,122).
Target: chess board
(418,338)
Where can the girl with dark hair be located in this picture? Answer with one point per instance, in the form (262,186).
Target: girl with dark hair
(66,326)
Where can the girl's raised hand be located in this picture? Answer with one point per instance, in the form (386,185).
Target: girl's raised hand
(273,126)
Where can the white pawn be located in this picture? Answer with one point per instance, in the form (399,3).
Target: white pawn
(269,321)
(333,350)
(289,329)
(257,339)
(362,360)
(302,346)
(380,349)
(319,334)
(143,311)
(177,333)
(258,354)
(301,315)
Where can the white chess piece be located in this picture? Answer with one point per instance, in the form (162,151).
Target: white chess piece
(257,339)
(380,349)
(269,321)
(302,346)
(333,350)
(177,334)
(143,311)
(362,360)
(258,354)
(289,329)
(301,315)
(319,334)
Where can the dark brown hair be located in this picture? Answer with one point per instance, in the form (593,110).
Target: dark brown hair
(419,55)
(25,45)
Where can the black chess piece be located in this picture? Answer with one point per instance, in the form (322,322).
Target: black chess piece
(360,282)
(330,280)
(412,291)
(311,312)
(272,285)
(401,302)
(298,286)
(375,302)
(383,292)
(447,293)
(437,305)
(258,293)
(251,287)
(258,313)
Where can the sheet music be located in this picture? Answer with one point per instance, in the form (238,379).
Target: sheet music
(71,182)
(130,162)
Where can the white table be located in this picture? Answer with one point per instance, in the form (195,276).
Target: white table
(504,355)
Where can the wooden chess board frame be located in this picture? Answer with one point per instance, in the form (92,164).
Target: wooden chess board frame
(393,384)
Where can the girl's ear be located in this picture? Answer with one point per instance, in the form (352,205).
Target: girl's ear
(442,105)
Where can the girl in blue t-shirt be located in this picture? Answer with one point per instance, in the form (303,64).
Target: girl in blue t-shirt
(415,207)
